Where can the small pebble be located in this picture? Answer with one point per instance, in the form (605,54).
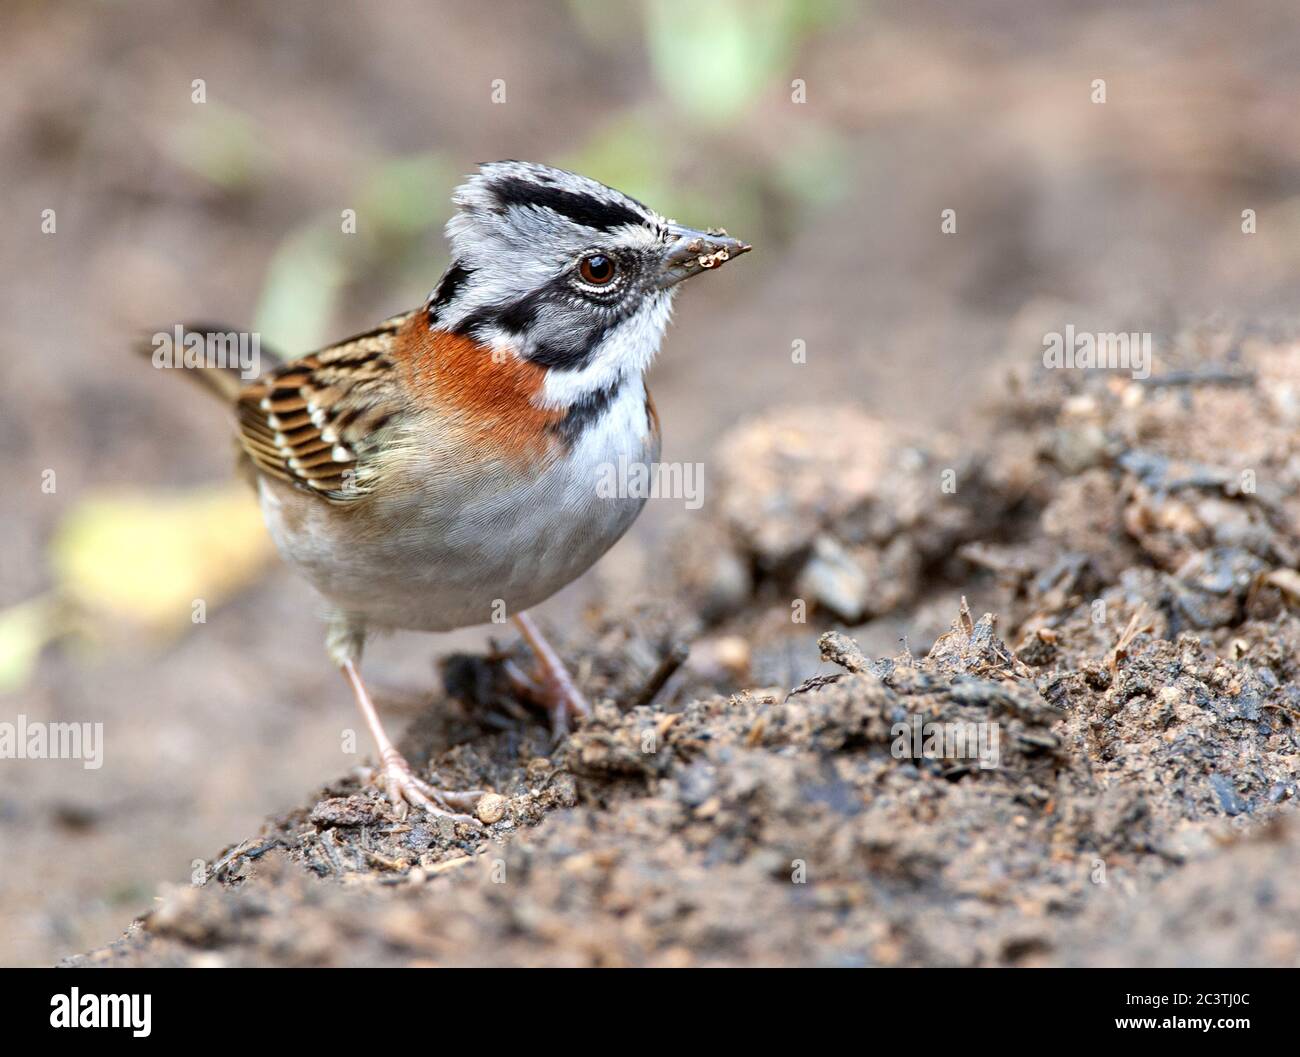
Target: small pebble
(491,808)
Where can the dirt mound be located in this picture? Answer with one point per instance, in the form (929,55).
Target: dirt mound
(1104,774)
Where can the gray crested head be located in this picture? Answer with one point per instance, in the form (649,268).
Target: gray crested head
(560,270)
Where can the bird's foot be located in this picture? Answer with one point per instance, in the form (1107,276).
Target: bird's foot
(554,688)
(405,789)
(564,702)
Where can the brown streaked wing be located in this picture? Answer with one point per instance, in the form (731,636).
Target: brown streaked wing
(307,421)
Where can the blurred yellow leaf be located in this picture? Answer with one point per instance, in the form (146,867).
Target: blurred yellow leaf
(24,631)
(149,557)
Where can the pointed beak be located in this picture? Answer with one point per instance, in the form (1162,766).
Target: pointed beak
(692,252)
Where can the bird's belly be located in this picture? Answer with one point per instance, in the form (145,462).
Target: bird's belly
(491,558)
(458,551)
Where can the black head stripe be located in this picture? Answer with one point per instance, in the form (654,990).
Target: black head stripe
(570,351)
(571,354)
(517,317)
(583,413)
(587,210)
(452,280)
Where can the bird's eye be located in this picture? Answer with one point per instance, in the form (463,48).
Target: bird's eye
(597,269)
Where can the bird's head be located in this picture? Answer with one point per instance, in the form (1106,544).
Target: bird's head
(562,271)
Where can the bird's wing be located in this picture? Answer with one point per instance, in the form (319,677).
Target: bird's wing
(310,422)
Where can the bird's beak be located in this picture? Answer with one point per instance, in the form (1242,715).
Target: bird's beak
(692,252)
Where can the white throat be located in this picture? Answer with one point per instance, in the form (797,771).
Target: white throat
(625,353)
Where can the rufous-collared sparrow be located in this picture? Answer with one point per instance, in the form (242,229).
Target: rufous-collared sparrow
(445,465)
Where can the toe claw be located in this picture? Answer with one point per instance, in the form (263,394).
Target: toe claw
(405,790)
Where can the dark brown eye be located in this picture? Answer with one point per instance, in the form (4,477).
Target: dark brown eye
(596,269)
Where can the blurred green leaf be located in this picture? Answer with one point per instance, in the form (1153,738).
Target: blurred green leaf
(221,144)
(399,200)
(715,59)
(638,155)
(302,285)
(629,153)
(815,169)
(406,195)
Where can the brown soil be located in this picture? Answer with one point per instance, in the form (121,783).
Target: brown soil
(1138,541)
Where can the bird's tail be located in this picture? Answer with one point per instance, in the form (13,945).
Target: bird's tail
(220,358)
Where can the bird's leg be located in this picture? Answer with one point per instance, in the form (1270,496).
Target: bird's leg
(400,781)
(563,699)
(401,784)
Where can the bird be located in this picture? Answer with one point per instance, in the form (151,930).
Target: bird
(441,469)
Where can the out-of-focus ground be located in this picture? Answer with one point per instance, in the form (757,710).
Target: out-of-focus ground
(1125,216)
(1104,772)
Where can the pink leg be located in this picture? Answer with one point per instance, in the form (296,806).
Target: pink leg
(400,782)
(564,699)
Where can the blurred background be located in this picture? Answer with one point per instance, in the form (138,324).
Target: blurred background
(197,158)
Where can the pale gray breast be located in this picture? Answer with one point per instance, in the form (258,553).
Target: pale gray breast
(459,543)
